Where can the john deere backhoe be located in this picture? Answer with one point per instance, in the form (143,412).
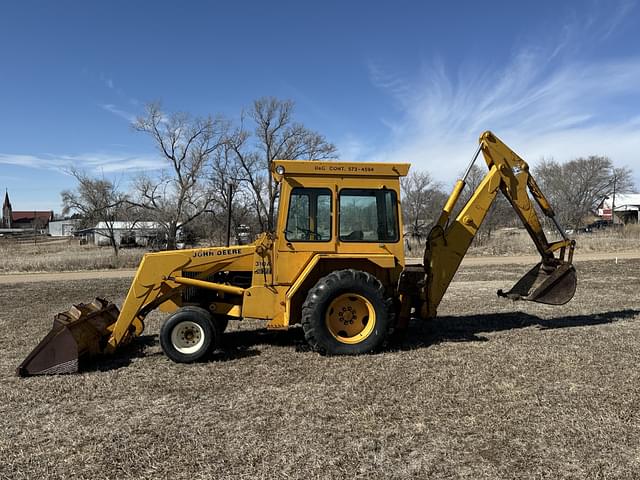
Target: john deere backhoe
(334,264)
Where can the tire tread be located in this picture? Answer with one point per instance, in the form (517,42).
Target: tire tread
(320,293)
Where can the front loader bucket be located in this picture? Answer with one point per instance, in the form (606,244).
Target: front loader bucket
(81,330)
(553,285)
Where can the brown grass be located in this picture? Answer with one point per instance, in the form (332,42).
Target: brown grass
(516,241)
(63,255)
(490,389)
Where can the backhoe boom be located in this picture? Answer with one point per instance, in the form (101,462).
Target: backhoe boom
(448,241)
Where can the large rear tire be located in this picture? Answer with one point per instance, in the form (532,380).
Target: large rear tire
(347,313)
(189,335)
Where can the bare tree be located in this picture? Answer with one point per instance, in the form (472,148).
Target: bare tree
(227,186)
(272,134)
(575,188)
(99,203)
(421,203)
(181,193)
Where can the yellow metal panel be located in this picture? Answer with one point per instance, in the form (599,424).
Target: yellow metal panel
(228,309)
(263,261)
(290,264)
(279,322)
(260,302)
(169,306)
(383,261)
(340,169)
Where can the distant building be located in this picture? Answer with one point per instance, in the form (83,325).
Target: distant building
(626,208)
(63,228)
(23,219)
(142,234)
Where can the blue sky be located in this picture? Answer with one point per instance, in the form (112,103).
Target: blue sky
(384,81)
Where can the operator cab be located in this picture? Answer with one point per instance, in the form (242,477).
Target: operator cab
(340,201)
(365,215)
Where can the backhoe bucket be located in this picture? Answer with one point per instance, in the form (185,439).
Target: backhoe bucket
(553,285)
(81,330)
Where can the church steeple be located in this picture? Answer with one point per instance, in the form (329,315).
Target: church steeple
(6,210)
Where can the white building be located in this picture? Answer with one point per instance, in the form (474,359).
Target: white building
(62,228)
(627,208)
(125,233)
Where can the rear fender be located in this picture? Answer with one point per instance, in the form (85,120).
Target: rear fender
(385,267)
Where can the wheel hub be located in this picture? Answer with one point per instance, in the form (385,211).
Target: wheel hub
(350,318)
(187,337)
(347,315)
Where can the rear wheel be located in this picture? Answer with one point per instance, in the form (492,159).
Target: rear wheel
(189,335)
(346,313)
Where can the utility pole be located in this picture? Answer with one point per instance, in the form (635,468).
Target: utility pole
(613,200)
(229,205)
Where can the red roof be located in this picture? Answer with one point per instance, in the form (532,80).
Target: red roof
(17,216)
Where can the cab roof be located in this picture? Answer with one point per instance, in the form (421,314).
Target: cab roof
(338,169)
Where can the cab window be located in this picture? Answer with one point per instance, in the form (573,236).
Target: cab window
(368,215)
(309,217)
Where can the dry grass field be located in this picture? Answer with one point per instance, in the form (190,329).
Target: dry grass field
(490,389)
(516,241)
(55,255)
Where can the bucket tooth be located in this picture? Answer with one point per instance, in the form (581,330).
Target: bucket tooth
(80,331)
(549,284)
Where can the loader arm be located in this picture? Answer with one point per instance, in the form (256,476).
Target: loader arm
(159,278)
(99,327)
(551,281)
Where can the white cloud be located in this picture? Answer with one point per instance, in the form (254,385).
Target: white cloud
(544,102)
(31,161)
(109,107)
(92,162)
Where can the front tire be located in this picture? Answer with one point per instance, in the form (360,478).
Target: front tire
(189,335)
(346,313)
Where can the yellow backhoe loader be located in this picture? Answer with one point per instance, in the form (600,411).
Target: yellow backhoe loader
(335,264)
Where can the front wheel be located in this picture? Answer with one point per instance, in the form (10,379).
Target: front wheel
(189,335)
(346,313)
